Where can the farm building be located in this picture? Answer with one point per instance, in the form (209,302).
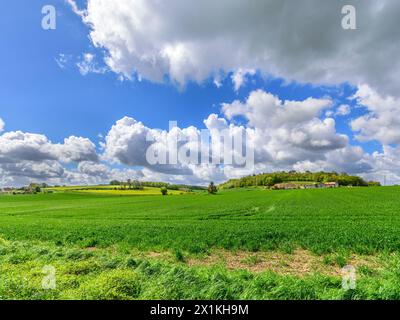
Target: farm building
(310,185)
(6,190)
(285,186)
(331,185)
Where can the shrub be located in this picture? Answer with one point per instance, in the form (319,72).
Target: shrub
(212,189)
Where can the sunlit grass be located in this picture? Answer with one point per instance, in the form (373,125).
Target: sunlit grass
(95,239)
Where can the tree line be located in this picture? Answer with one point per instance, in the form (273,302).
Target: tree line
(135,184)
(270,179)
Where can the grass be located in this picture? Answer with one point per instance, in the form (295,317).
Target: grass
(120,273)
(96,243)
(362,220)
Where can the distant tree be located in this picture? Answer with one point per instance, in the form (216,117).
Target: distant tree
(129,182)
(115,183)
(123,186)
(164,191)
(136,185)
(212,189)
(270,179)
(374,184)
(33,188)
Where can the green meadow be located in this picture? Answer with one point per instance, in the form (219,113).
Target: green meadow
(238,244)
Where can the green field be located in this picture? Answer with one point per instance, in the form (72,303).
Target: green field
(243,243)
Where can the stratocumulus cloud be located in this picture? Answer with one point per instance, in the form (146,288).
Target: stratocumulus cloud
(295,40)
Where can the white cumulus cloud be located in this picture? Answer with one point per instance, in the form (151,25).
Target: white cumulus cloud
(382,121)
(295,40)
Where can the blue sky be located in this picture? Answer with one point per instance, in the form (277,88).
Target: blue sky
(39,96)
(37,93)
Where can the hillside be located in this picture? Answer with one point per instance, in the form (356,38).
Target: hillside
(270,179)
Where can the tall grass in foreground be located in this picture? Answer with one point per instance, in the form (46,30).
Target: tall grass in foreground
(116,273)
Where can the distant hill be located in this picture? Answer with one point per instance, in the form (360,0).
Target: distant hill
(270,179)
